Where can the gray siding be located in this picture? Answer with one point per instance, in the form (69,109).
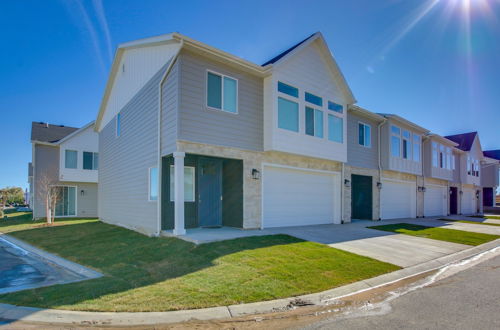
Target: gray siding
(46,168)
(358,155)
(170,103)
(489,175)
(125,162)
(197,123)
(86,204)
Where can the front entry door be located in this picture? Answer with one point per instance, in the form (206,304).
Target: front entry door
(362,197)
(453,200)
(210,192)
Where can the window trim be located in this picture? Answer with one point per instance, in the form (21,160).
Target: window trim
(364,134)
(194,184)
(222,92)
(149,184)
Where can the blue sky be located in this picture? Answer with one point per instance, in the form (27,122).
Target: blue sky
(433,62)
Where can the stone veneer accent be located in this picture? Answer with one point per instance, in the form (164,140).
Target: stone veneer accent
(252,189)
(348,171)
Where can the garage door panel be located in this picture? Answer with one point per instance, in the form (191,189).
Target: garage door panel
(398,200)
(293,197)
(468,201)
(435,201)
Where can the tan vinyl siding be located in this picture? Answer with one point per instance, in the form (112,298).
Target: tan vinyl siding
(197,123)
(125,160)
(358,155)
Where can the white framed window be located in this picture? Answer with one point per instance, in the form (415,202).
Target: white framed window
(448,159)
(118,124)
(314,122)
(364,135)
(222,92)
(335,128)
(453,162)
(189,184)
(416,147)
(442,156)
(469,165)
(153,184)
(70,159)
(90,160)
(434,154)
(395,141)
(406,144)
(288,107)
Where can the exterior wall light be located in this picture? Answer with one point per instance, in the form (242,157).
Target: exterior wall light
(477,194)
(82,192)
(379,185)
(461,192)
(347,183)
(424,189)
(255,174)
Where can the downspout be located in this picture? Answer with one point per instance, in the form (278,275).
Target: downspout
(159,163)
(379,164)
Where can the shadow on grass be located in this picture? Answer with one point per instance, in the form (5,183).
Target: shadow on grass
(479,221)
(159,274)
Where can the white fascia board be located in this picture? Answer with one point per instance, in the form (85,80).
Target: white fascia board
(442,139)
(405,121)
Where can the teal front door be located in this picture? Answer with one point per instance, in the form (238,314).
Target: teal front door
(210,192)
(361,199)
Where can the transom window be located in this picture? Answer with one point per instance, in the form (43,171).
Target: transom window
(189,184)
(311,98)
(335,107)
(222,92)
(364,135)
(90,160)
(70,158)
(287,89)
(314,122)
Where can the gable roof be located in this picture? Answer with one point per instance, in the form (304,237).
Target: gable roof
(282,54)
(495,154)
(45,132)
(364,112)
(464,141)
(404,121)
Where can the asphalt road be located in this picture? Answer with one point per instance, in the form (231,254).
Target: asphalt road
(467,300)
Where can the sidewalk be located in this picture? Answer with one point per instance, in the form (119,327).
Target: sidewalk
(29,314)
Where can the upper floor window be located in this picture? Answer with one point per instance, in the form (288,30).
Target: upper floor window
(90,160)
(311,98)
(118,124)
(395,141)
(314,122)
(416,147)
(222,92)
(335,107)
(288,114)
(442,157)
(287,89)
(364,135)
(406,144)
(335,128)
(70,158)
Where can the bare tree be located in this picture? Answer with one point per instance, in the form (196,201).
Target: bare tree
(50,194)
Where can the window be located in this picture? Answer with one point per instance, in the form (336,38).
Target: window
(90,160)
(66,201)
(406,145)
(442,159)
(118,124)
(314,122)
(335,107)
(395,141)
(153,184)
(287,89)
(364,135)
(468,166)
(70,158)
(189,185)
(434,154)
(453,162)
(311,98)
(222,92)
(335,129)
(288,115)
(416,147)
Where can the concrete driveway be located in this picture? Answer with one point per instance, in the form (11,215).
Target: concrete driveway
(397,249)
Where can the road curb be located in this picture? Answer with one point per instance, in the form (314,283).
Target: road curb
(53,316)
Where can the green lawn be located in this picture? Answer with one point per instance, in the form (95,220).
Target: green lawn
(442,234)
(160,274)
(473,222)
(496,217)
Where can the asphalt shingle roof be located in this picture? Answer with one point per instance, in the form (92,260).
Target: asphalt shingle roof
(495,154)
(45,132)
(464,140)
(280,55)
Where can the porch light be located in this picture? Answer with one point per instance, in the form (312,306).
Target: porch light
(347,183)
(379,185)
(477,194)
(419,189)
(461,192)
(255,174)
(82,192)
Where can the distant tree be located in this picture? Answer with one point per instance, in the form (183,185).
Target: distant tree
(50,194)
(11,195)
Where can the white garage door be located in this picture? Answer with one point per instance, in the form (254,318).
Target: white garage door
(398,199)
(435,201)
(295,197)
(468,201)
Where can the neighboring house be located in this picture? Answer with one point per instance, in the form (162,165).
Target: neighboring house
(65,157)
(191,136)
(466,191)
(439,164)
(402,182)
(363,172)
(490,176)
(29,200)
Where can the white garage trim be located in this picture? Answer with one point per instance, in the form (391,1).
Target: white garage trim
(335,188)
(432,207)
(386,209)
